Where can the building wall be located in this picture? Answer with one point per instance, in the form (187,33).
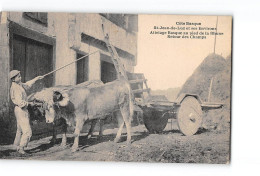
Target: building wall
(66,29)
(119,37)
(4,65)
(64,54)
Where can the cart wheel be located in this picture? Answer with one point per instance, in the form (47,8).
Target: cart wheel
(154,121)
(189,116)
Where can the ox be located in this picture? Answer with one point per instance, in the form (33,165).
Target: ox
(83,104)
(37,112)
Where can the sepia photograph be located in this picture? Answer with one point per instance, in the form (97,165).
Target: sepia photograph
(115,87)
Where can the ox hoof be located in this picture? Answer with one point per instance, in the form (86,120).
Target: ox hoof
(128,143)
(116,140)
(74,150)
(63,145)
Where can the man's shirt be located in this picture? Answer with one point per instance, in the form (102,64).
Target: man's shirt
(18,93)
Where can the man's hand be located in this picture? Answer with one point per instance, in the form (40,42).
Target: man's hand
(39,77)
(30,103)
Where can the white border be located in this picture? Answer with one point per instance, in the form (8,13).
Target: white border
(245,158)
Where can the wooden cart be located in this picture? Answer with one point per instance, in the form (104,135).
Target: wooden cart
(187,108)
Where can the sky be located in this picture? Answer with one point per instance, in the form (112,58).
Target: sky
(168,62)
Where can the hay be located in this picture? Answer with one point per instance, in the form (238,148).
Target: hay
(199,83)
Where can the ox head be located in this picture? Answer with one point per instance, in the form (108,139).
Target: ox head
(51,109)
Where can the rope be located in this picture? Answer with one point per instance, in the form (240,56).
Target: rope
(69,63)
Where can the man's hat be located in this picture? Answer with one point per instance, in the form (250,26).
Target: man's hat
(13,73)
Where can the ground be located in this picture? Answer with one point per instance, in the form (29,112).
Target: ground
(170,146)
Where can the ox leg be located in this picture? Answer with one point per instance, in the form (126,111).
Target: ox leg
(101,124)
(126,114)
(64,140)
(90,132)
(120,126)
(79,125)
(64,137)
(54,134)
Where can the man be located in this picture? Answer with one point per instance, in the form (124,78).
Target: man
(19,98)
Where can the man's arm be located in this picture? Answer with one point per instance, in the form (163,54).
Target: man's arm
(29,84)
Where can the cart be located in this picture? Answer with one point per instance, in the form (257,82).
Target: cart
(187,109)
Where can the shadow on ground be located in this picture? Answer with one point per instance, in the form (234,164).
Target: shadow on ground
(84,142)
(201,130)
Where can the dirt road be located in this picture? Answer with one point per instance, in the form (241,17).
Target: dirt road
(169,147)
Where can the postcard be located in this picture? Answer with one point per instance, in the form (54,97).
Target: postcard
(115,87)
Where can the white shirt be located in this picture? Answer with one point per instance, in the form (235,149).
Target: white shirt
(18,93)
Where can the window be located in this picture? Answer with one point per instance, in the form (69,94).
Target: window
(39,17)
(129,22)
(108,72)
(82,69)
(118,19)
